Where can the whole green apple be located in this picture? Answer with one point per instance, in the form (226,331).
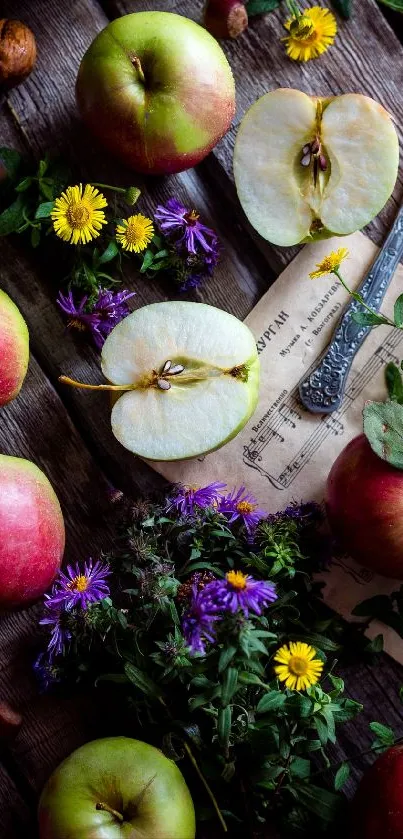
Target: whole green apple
(116,788)
(14,349)
(157,91)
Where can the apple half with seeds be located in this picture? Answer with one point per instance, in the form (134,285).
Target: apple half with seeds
(307,168)
(189,377)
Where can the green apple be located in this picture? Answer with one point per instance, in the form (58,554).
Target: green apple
(157,91)
(14,349)
(189,374)
(307,168)
(116,788)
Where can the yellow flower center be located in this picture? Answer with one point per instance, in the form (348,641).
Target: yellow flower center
(237,579)
(245,507)
(79,583)
(192,217)
(134,231)
(301,28)
(73,323)
(78,215)
(298,665)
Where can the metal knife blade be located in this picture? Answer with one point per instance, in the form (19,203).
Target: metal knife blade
(322,391)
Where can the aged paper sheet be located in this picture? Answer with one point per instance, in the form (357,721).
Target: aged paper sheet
(284,453)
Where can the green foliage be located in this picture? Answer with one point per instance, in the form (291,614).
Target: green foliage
(394,383)
(250,729)
(261,7)
(383,427)
(397,5)
(343,7)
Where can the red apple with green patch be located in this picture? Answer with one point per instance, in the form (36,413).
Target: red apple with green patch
(116,788)
(14,349)
(32,532)
(157,91)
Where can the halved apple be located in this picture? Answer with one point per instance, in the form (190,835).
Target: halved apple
(307,168)
(189,374)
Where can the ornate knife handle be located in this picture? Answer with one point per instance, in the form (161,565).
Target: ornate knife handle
(322,391)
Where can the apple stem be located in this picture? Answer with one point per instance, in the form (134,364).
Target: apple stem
(65,380)
(137,64)
(102,806)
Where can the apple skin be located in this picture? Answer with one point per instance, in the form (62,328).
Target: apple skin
(364,500)
(14,349)
(32,532)
(133,778)
(171,118)
(377,808)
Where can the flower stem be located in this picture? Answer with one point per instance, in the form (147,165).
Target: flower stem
(206,786)
(359,298)
(119,189)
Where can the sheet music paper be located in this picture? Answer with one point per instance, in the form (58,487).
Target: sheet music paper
(284,453)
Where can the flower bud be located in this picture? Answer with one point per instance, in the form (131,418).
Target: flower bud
(132,194)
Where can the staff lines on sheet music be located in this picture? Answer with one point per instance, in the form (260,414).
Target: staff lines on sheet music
(327,425)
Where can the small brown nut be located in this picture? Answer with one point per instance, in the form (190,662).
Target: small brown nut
(10,721)
(17,52)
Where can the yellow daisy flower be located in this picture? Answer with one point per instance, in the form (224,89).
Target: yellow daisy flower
(330,264)
(310,33)
(78,215)
(135,233)
(298,667)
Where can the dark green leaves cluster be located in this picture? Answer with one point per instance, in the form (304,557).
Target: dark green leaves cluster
(345,7)
(250,729)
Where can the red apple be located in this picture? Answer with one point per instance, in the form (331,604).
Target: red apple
(14,349)
(32,532)
(377,809)
(116,788)
(157,91)
(225,18)
(365,508)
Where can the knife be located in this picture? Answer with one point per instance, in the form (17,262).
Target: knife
(322,391)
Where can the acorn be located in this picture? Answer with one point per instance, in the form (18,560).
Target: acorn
(17,52)
(225,18)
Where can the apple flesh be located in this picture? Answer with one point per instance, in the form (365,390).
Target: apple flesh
(14,349)
(32,532)
(189,374)
(307,168)
(364,499)
(116,788)
(377,809)
(157,91)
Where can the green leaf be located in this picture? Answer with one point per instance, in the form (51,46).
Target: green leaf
(44,210)
(299,705)
(226,655)
(224,725)
(320,801)
(147,261)
(35,237)
(397,5)
(12,217)
(368,318)
(229,685)
(394,383)
(43,165)
(300,767)
(271,701)
(383,427)
(322,729)
(47,190)
(261,7)
(317,641)
(343,7)
(109,253)
(116,678)
(142,681)
(376,645)
(346,711)
(384,734)
(398,311)
(342,776)
(249,678)
(337,683)
(10,160)
(24,185)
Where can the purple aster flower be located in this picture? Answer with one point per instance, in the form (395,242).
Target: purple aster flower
(186,499)
(47,673)
(183,225)
(240,504)
(80,587)
(197,624)
(55,619)
(108,310)
(238,591)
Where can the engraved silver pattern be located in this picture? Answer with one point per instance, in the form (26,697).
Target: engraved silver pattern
(322,392)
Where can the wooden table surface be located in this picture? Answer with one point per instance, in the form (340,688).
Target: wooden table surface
(67,432)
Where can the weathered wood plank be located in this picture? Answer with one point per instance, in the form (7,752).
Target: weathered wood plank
(259,64)
(16,820)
